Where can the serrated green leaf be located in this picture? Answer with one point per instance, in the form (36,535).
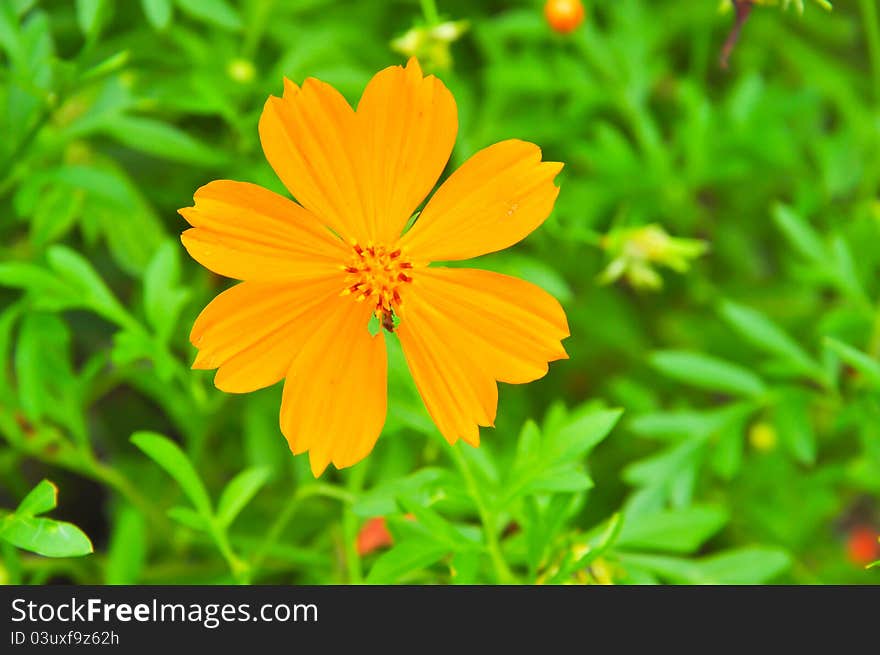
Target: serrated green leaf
(553,463)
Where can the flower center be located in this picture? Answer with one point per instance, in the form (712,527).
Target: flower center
(376,274)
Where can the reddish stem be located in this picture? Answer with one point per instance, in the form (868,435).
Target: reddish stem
(743,8)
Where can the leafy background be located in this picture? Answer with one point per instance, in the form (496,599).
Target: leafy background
(719,418)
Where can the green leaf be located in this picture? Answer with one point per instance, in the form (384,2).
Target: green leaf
(217,12)
(382,499)
(77,272)
(707,372)
(800,234)
(765,335)
(239,492)
(127,551)
(42,364)
(438,527)
(163,297)
(551,460)
(678,531)
(40,499)
(158,12)
(190,518)
(406,558)
(674,425)
(45,536)
(160,139)
(845,272)
(791,416)
(89,15)
(174,461)
(751,565)
(863,363)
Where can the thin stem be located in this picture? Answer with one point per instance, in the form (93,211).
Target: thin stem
(429,10)
(40,444)
(239,568)
(872,34)
(279,525)
(350,527)
(503,573)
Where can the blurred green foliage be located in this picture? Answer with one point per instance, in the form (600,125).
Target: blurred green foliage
(723,426)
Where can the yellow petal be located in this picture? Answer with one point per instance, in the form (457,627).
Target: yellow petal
(335,394)
(407,124)
(494,200)
(246,232)
(463,329)
(309,139)
(252,332)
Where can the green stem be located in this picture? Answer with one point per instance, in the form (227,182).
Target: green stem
(429,10)
(41,445)
(503,573)
(350,527)
(872,34)
(238,567)
(273,534)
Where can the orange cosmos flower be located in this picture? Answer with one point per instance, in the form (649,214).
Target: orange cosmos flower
(314,273)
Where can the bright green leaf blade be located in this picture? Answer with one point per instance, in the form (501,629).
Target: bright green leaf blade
(765,335)
(800,234)
(406,558)
(170,457)
(88,15)
(217,12)
(40,499)
(707,372)
(160,139)
(76,270)
(189,517)
(158,12)
(45,536)
(753,565)
(864,364)
(678,531)
(239,492)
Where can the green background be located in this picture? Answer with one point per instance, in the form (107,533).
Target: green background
(721,427)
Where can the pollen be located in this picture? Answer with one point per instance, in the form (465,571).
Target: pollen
(377,274)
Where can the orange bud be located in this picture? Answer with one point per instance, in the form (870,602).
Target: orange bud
(373,536)
(862,545)
(564,16)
